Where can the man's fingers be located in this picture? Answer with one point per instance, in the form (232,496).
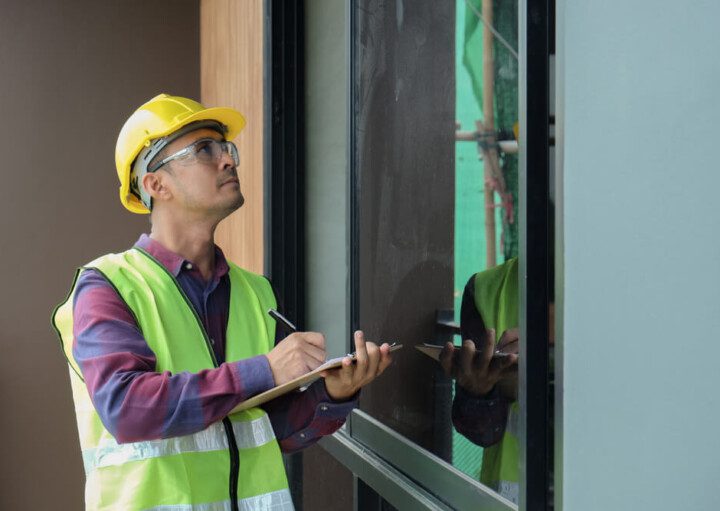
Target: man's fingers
(370,361)
(510,347)
(508,337)
(467,355)
(385,358)
(344,372)
(446,358)
(314,355)
(373,352)
(488,349)
(361,356)
(502,366)
(315,338)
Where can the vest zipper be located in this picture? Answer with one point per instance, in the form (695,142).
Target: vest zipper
(234,464)
(232,444)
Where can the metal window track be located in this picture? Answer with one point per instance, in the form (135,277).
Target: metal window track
(403,473)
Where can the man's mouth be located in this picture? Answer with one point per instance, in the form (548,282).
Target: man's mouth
(230,180)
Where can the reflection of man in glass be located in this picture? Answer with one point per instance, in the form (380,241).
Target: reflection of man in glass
(485,409)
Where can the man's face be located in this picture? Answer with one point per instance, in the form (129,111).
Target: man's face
(199,186)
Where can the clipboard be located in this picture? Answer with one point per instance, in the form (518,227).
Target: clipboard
(298,382)
(433,351)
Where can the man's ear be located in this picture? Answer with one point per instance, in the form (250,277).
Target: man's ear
(157,187)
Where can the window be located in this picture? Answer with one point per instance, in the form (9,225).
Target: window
(415,225)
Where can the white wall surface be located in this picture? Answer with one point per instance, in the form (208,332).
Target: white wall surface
(639,131)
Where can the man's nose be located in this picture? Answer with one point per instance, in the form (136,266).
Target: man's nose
(226,160)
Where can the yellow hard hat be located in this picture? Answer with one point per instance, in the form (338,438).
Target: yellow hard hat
(156,119)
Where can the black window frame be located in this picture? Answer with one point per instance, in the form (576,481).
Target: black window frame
(284,176)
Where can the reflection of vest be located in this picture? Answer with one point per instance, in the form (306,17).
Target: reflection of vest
(496,299)
(235,459)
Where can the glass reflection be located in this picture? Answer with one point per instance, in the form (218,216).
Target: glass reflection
(436,152)
(484,363)
(485,408)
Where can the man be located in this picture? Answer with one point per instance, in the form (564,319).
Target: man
(485,408)
(165,339)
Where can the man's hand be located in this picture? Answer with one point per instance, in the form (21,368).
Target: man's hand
(509,343)
(478,371)
(342,383)
(297,354)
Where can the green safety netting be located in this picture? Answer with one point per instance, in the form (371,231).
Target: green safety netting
(506,91)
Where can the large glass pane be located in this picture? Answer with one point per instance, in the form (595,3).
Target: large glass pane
(436,240)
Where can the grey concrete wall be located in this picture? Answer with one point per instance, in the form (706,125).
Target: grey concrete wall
(326,220)
(637,113)
(70,74)
(327,171)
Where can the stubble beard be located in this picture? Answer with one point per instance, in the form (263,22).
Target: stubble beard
(236,204)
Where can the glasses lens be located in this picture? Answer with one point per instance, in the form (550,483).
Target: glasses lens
(207,150)
(212,151)
(233,152)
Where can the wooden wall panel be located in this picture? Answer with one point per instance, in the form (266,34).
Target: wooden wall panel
(231,74)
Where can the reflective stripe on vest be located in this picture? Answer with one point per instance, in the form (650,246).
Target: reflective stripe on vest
(192,471)
(247,435)
(273,501)
(496,299)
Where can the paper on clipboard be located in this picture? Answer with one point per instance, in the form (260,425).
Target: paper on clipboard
(298,382)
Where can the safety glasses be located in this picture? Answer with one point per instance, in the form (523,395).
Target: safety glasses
(205,150)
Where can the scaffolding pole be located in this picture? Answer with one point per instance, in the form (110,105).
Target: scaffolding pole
(488,127)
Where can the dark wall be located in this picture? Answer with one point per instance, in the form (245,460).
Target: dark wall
(71,73)
(405,158)
(327,484)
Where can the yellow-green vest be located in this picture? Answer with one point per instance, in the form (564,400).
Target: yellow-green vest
(233,464)
(496,298)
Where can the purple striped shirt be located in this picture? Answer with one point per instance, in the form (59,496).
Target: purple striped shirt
(136,403)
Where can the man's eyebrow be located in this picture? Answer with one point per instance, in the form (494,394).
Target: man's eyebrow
(208,137)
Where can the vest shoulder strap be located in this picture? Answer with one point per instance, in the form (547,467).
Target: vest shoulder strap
(259,283)
(497,294)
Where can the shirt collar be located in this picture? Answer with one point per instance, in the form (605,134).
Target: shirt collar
(173,262)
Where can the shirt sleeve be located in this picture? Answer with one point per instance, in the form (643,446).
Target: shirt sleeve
(301,418)
(481,420)
(133,400)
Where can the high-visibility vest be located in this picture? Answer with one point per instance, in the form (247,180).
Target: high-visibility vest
(232,464)
(496,299)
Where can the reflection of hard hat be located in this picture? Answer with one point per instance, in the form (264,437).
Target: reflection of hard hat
(163,115)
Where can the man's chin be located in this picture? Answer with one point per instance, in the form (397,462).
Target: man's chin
(237,203)
(229,205)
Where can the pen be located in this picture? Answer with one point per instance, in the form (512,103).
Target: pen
(282,319)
